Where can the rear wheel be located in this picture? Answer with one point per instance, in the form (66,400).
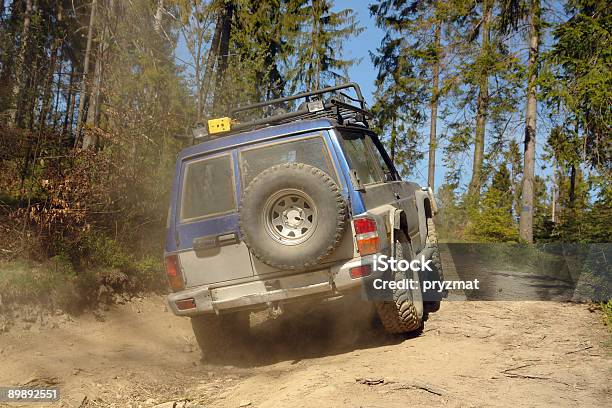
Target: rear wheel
(220,335)
(404,313)
(433,298)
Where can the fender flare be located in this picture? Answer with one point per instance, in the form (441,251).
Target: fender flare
(398,221)
(426,208)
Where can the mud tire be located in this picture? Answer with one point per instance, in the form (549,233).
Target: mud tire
(430,304)
(405,313)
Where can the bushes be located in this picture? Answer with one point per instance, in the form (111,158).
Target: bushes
(84,219)
(57,283)
(50,283)
(607,310)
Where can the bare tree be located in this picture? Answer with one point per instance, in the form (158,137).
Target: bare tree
(93,115)
(482,104)
(431,168)
(526,215)
(83,94)
(226,14)
(20,63)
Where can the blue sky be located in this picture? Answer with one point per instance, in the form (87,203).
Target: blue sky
(364,74)
(360,46)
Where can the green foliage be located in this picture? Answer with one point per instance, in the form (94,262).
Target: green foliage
(50,283)
(480,61)
(401,88)
(452,219)
(578,76)
(607,311)
(492,221)
(318,44)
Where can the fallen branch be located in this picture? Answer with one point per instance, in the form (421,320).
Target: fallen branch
(582,349)
(516,368)
(425,387)
(535,377)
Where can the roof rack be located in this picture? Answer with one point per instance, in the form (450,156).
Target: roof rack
(313,107)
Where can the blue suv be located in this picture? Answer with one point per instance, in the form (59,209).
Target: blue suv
(294,205)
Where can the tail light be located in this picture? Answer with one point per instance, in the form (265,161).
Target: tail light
(360,271)
(185,304)
(173,271)
(366,235)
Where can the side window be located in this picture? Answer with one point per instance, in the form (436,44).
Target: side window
(312,151)
(208,188)
(378,155)
(363,157)
(384,166)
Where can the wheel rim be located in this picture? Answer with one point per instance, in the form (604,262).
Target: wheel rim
(290,217)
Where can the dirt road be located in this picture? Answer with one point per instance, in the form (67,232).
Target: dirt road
(520,354)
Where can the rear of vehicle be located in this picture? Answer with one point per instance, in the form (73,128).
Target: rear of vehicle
(303,241)
(263,218)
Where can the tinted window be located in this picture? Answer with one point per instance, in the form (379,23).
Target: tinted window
(208,188)
(363,157)
(310,151)
(382,164)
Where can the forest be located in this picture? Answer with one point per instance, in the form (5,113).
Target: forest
(512,99)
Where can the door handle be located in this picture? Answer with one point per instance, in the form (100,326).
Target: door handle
(214,241)
(227,239)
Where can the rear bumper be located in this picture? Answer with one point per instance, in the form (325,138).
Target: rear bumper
(332,281)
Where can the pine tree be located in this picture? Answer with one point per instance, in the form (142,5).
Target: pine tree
(84,80)
(481,107)
(319,44)
(257,49)
(483,70)
(527,207)
(577,78)
(409,63)
(195,21)
(493,220)
(20,66)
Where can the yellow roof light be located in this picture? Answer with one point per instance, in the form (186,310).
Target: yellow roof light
(219,125)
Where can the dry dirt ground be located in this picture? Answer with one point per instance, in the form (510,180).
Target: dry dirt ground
(471,354)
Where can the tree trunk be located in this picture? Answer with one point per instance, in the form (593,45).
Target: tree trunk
(482,105)
(89,138)
(211,60)
(47,92)
(316,20)
(526,216)
(393,140)
(16,115)
(224,41)
(58,89)
(159,14)
(572,187)
(56,49)
(70,99)
(29,92)
(431,169)
(555,189)
(83,93)
(93,115)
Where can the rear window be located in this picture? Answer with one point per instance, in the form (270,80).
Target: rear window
(310,151)
(363,157)
(208,188)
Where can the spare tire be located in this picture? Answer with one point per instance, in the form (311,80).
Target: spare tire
(292,216)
